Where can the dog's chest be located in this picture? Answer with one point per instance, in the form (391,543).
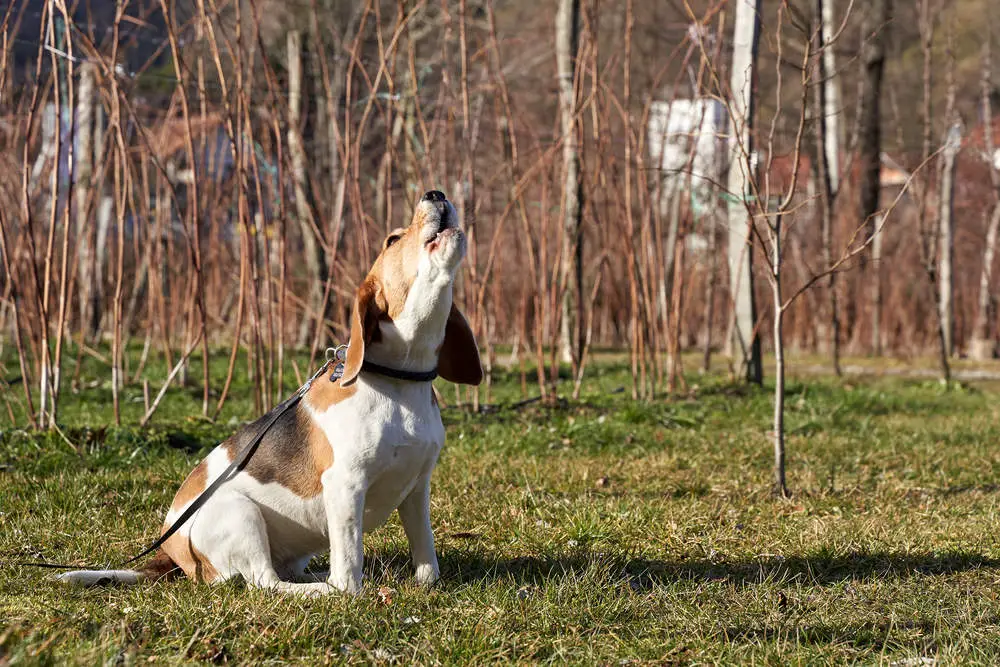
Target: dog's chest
(386,438)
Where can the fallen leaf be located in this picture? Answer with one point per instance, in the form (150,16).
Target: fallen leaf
(385,595)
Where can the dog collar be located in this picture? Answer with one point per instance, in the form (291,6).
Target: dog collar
(397,374)
(337,356)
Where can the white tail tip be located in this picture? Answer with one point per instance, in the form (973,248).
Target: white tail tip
(88,578)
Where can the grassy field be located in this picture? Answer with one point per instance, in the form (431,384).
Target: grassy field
(600,531)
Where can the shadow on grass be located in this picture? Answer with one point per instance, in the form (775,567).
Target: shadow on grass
(867,637)
(463,567)
(966,488)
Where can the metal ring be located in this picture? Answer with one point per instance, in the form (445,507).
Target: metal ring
(338,353)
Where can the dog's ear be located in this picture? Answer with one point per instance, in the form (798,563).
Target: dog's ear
(459,359)
(364,326)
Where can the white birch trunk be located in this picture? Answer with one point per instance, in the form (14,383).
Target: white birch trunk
(84,157)
(745,343)
(831,97)
(946,243)
(828,172)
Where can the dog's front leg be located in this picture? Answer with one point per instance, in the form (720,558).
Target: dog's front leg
(344,497)
(415,514)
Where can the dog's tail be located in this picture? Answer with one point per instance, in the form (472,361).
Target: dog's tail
(160,567)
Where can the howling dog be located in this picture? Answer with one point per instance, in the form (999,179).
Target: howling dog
(351,451)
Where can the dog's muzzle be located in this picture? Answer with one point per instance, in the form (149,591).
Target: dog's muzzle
(435,229)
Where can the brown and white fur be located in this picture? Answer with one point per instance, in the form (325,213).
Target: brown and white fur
(352,451)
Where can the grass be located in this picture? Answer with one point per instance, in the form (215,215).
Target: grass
(599,531)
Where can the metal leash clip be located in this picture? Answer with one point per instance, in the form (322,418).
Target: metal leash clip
(336,356)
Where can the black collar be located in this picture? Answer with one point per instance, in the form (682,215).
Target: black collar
(396,374)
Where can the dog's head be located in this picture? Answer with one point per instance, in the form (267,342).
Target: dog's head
(404,316)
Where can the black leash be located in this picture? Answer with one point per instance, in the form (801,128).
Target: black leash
(335,356)
(238,464)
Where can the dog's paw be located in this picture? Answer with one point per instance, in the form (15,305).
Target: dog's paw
(427,574)
(347,584)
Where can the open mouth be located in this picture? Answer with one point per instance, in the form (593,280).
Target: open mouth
(443,233)
(444,226)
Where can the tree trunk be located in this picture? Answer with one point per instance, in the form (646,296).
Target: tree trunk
(929,237)
(570,264)
(780,487)
(84,157)
(983,345)
(870,129)
(313,251)
(712,268)
(876,285)
(946,244)
(745,343)
(103,216)
(830,91)
(334,84)
(671,209)
(828,107)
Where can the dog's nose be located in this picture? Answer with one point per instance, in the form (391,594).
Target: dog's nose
(434,196)
(440,202)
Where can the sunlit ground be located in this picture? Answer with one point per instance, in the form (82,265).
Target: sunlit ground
(590,531)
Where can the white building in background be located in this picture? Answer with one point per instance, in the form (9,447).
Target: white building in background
(688,144)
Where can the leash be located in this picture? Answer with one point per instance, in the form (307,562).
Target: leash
(338,355)
(334,356)
(238,464)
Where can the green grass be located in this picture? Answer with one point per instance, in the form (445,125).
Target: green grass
(599,531)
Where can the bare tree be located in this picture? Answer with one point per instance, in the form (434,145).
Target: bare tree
(870,127)
(946,210)
(828,105)
(776,231)
(946,243)
(84,160)
(571,257)
(312,248)
(982,345)
(929,238)
(829,85)
(378,112)
(102,217)
(746,342)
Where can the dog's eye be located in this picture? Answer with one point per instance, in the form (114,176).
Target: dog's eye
(392,239)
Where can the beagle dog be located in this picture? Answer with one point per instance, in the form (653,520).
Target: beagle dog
(351,451)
